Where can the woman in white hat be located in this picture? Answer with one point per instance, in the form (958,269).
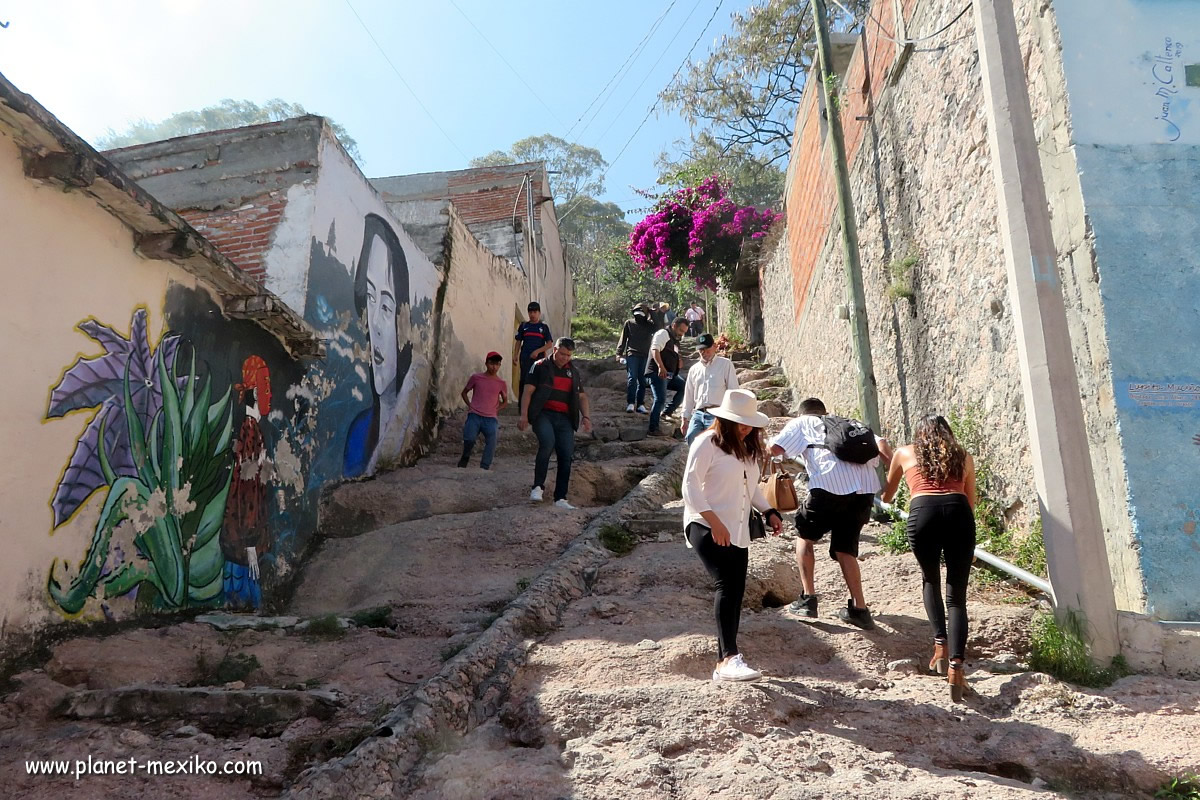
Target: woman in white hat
(720,486)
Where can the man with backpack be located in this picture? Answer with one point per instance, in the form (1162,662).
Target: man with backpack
(841,456)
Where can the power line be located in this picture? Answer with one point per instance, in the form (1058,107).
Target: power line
(428,113)
(505,60)
(628,62)
(651,70)
(657,100)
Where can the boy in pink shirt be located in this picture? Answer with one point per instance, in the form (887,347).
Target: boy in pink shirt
(488,394)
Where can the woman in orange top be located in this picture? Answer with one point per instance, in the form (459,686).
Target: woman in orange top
(941,522)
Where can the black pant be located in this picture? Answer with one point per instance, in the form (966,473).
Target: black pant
(727,566)
(944,525)
(555,435)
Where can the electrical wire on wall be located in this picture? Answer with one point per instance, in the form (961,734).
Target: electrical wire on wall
(902,42)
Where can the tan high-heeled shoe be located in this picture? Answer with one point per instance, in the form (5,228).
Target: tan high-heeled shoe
(957,678)
(940,658)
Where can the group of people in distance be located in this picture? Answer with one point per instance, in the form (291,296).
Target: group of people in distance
(722,493)
(552,402)
(649,348)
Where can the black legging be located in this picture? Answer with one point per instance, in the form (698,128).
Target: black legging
(727,566)
(943,524)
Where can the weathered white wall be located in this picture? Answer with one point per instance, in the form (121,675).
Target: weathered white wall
(485,295)
(342,201)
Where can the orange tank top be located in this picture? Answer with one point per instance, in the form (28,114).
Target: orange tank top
(917,483)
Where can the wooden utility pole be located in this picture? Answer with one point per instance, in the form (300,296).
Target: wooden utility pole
(1062,466)
(868,397)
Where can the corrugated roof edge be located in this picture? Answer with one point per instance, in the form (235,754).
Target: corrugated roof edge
(54,153)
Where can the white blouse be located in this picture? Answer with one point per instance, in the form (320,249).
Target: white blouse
(717,481)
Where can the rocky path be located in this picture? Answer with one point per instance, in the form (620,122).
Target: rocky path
(618,702)
(416,564)
(440,587)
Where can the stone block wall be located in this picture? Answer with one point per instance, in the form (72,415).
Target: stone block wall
(923,193)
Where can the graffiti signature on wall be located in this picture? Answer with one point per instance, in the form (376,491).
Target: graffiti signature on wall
(1164,71)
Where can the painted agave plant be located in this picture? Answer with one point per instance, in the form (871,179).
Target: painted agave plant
(174,500)
(99,382)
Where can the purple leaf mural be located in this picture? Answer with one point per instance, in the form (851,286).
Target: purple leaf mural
(98,383)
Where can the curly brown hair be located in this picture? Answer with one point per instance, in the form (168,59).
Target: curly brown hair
(749,448)
(939,455)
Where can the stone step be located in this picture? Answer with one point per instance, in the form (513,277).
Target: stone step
(215,710)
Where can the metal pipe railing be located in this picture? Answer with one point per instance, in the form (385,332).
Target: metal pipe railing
(1025,576)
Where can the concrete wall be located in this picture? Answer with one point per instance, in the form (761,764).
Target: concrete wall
(1133,90)
(90,537)
(381,353)
(485,298)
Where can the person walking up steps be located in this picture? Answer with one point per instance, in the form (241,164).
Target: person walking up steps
(555,404)
(488,396)
(695,318)
(705,386)
(663,374)
(634,347)
(841,492)
(941,524)
(533,340)
(720,487)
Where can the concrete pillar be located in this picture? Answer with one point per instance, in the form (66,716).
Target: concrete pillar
(1075,548)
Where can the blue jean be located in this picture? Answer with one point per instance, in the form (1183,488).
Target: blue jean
(489,427)
(699,424)
(660,386)
(635,387)
(555,434)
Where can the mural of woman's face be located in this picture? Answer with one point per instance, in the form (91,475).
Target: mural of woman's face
(381,316)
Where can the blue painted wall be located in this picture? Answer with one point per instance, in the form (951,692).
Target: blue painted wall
(1144,205)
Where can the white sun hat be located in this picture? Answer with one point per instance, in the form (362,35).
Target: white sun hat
(740,405)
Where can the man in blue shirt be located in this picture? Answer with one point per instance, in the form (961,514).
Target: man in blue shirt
(533,340)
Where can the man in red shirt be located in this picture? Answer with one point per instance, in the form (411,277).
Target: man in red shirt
(488,394)
(554,404)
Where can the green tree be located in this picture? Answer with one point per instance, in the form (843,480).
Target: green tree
(580,170)
(744,95)
(225,114)
(753,179)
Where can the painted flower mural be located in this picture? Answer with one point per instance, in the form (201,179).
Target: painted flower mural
(161,446)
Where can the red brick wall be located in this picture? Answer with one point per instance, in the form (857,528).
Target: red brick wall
(811,196)
(481,195)
(243,234)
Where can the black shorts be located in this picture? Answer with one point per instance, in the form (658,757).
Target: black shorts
(841,515)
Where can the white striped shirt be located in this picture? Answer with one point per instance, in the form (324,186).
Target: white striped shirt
(825,470)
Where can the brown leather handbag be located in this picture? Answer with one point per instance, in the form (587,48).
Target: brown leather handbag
(779,486)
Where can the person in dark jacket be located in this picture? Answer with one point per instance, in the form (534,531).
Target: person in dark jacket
(634,346)
(555,405)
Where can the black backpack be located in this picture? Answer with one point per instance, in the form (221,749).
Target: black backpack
(849,440)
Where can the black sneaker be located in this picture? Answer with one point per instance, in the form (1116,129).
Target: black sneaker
(806,606)
(462,462)
(858,617)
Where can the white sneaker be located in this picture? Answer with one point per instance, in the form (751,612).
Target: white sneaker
(536,494)
(735,669)
(642,410)
(564,504)
(629,408)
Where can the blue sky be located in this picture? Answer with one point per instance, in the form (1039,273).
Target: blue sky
(98,65)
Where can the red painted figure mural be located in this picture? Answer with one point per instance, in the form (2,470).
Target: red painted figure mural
(245,537)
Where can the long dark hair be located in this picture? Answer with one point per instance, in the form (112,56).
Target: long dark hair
(375,225)
(745,448)
(939,455)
